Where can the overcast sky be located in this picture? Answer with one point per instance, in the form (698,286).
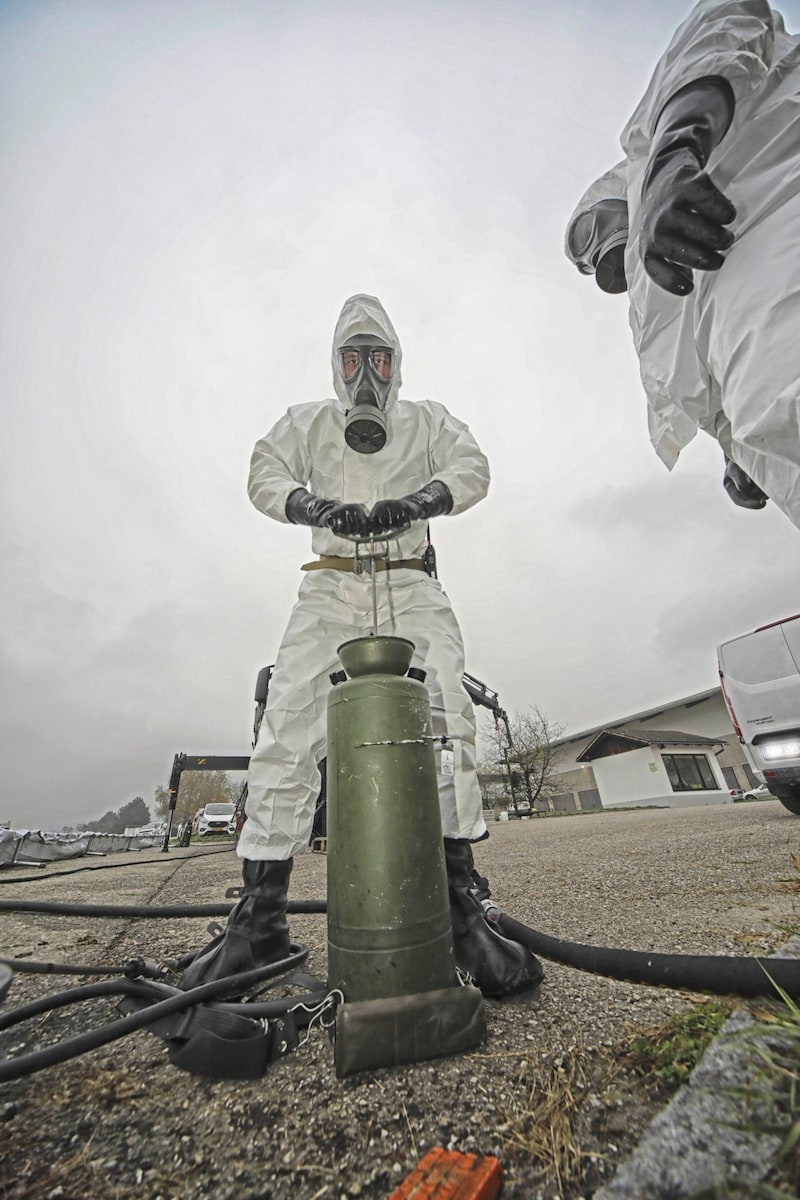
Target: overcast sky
(189,192)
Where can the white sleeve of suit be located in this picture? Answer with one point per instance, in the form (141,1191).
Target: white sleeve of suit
(456,458)
(732,38)
(278,466)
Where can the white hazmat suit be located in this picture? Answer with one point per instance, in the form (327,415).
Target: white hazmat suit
(365,464)
(307,448)
(723,359)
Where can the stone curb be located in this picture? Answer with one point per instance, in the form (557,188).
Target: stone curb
(696,1142)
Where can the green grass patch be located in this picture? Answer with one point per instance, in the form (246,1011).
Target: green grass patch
(670,1052)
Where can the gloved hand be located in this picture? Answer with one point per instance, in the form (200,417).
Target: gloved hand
(431,501)
(345,520)
(304,508)
(741,488)
(349,520)
(684,214)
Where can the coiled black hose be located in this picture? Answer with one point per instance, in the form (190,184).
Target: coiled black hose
(173,1001)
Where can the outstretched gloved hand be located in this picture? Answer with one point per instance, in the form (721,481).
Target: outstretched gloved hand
(741,488)
(684,213)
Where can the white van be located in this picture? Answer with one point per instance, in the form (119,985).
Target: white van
(215,818)
(760,677)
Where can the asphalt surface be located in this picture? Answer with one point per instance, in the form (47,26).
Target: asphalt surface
(123,1122)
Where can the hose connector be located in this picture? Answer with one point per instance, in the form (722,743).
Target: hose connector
(491,911)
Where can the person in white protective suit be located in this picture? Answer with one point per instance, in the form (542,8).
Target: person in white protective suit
(711,260)
(365,463)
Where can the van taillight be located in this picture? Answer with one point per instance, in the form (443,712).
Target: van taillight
(729,707)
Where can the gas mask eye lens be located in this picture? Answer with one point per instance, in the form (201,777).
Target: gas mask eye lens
(581,236)
(381,360)
(351,361)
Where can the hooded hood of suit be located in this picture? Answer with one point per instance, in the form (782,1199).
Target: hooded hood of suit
(363,315)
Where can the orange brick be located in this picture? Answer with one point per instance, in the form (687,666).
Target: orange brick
(449,1175)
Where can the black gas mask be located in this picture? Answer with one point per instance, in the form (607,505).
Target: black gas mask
(597,240)
(366,365)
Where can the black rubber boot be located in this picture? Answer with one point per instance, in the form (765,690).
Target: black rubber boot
(497,965)
(257,932)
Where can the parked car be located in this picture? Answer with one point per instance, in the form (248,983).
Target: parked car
(737,794)
(523,809)
(758,792)
(215,818)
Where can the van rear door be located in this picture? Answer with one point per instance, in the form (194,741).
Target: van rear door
(760,677)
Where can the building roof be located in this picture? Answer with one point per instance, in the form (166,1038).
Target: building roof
(618,740)
(647,714)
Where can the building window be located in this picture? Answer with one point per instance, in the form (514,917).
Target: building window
(690,773)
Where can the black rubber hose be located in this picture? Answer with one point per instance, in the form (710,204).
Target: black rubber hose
(61,908)
(28,966)
(89,991)
(264,1009)
(717,974)
(27,1064)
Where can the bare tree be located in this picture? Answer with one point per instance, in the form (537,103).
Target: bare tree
(523,747)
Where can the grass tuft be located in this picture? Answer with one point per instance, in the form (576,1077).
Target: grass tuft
(542,1121)
(672,1050)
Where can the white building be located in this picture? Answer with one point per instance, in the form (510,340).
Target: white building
(683,753)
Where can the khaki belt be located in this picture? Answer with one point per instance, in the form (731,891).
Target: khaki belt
(331,562)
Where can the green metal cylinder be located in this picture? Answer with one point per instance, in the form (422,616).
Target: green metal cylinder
(389,931)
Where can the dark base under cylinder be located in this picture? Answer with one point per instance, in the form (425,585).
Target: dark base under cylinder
(408,1029)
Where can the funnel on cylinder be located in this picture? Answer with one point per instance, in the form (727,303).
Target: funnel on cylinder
(376,656)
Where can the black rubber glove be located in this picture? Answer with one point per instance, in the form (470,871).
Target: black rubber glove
(304,508)
(349,520)
(741,488)
(683,213)
(434,500)
(345,520)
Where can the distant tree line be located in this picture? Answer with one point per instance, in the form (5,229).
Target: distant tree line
(132,815)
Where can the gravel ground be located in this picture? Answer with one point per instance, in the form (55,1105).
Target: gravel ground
(548,1093)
